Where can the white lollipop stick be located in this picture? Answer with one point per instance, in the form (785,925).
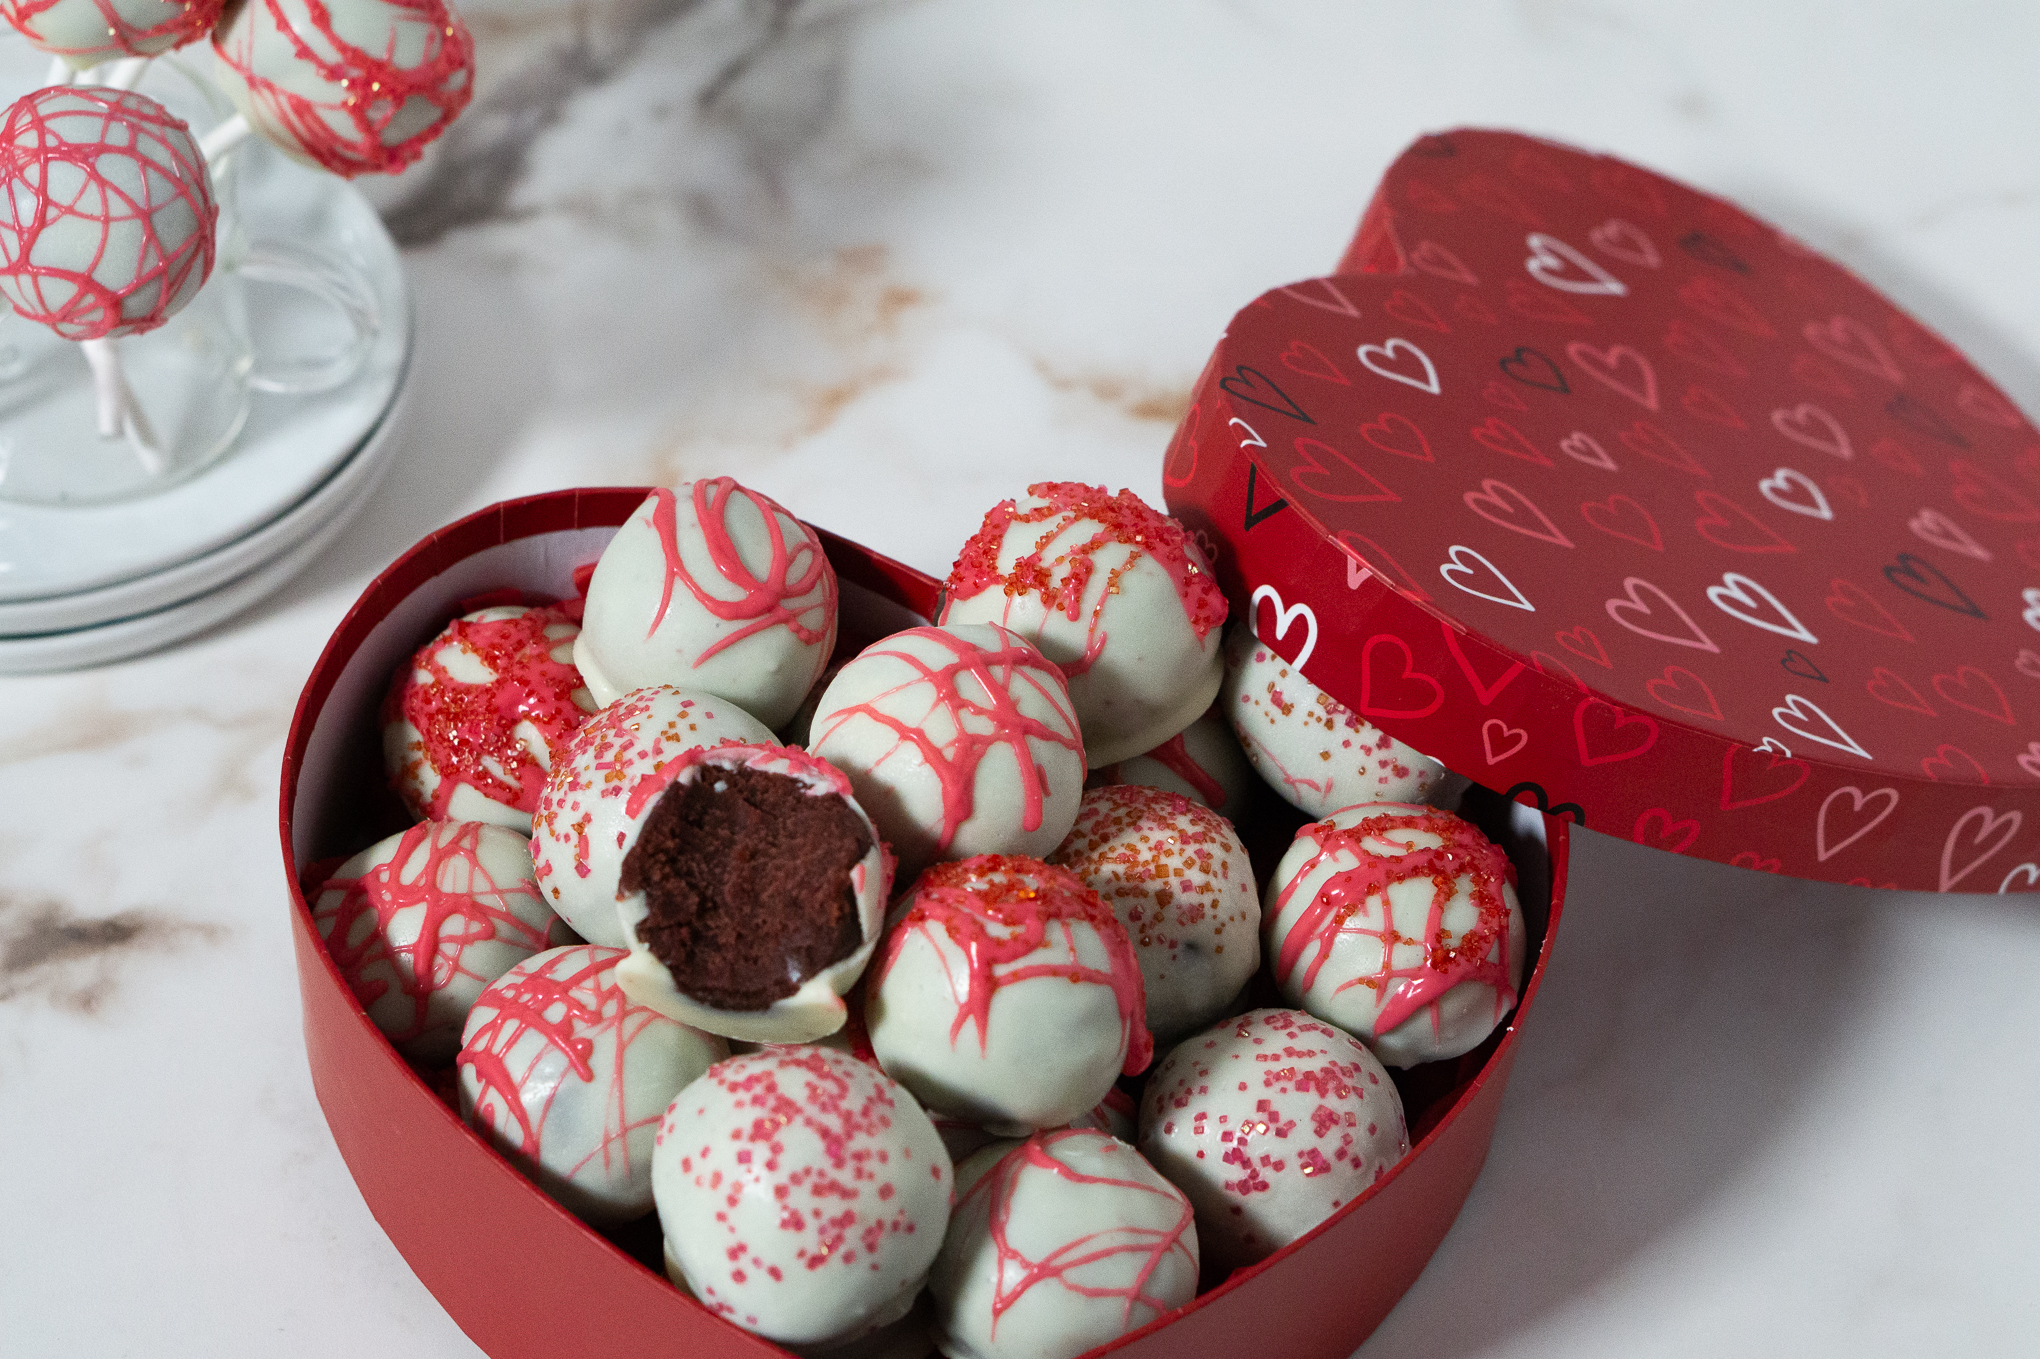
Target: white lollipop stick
(119,412)
(223,138)
(60,72)
(126,73)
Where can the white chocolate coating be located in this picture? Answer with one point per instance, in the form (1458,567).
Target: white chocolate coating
(1316,752)
(1270,1123)
(569,1080)
(1111,591)
(816,1009)
(498,683)
(959,741)
(1059,1244)
(418,924)
(1177,876)
(1202,762)
(1007,995)
(87,32)
(1400,924)
(596,798)
(802,1193)
(713,588)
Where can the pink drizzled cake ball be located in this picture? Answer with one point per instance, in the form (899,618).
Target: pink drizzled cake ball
(1270,1123)
(1400,924)
(1113,593)
(1202,762)
(419,923)
(472,726)
(87,32)
(568,1079)
(352,86)
(715,588)
(803,1194)
(1059,1244)
(106,212)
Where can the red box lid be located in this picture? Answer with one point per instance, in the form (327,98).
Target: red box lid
(1618,500)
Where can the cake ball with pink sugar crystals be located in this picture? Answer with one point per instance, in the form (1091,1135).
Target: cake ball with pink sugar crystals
(1007,995)
(1059,1244)
(1400,924)
(1177,876)
(1113,592)
(568,1078)
(959,740)
(1315,751)
(715,588)
(802,1193)
(476,721)
(419,923)
(1270,1123)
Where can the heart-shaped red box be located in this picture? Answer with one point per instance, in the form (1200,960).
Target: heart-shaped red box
(527,1280)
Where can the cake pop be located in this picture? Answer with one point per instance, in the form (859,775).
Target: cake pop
(86,32)
(1203,762)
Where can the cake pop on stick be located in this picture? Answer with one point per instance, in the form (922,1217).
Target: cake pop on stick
(351,86)
(83,33)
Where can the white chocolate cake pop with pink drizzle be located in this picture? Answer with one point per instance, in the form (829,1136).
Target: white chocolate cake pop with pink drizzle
(1398,923)
(351,86)
(419,923)
(568,1079)
(595,798)
(1061,1243)
(1270,1123)
(87,32)
(711,587)
(106,212)
(472,726)
(959,741)
(803,1194)
(1007,995)
(1114,593)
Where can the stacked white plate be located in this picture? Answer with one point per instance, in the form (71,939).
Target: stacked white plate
(86,584)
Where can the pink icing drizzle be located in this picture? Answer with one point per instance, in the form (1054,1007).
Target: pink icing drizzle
(1001,910)
(979,726)
(450,921)
(1175,757)
(1479,955)
(1061,580)
(463,729)
(184,21)
(1016,1273)
(763,603)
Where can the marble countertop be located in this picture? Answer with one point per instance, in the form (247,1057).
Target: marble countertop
(888,262)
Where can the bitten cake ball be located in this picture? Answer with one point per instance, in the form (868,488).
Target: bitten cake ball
(753,896)
(1314,750)
(1113,593)
(482,713)
(1177,877)
(716,588)
(1270,1123)
(1007,995)
(959,741)
(87,32)
(803,1194)
(600,790)
(419,923)
(568,1079)
(352,86)
(1398,923)
(1059,1244)
(106,212)
(1202,762)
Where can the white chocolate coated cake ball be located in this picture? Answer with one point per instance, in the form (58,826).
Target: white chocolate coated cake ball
(1110,590)
(596,798)
(1271,1123)
(1058,1244)
(419,923)
(802,1193)
(1315,751)
(959,741)
(87,32)
(1398,923)
(1007,995)
(568,1079)
(1202,762)
(715,588)
(474,723)
(1177,876)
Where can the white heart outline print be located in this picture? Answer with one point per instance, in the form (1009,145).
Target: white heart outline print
(1284,616)
(1739,587)
(1387,351)
(1546,251)
(1458,556)
(1799,706)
